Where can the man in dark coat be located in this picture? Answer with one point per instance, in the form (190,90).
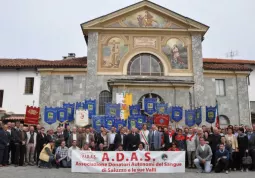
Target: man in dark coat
(215,140)
(41,140)
(3,145)
(7,148)
(133,140)
(169,137)
(120,139)
(16,141)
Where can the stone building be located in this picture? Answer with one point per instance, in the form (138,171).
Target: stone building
(147,50)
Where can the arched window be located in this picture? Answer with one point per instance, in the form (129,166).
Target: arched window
(104,97)
(224,121)
(145,64)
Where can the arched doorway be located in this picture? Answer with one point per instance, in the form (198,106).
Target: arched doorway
(224,121)
(149,95)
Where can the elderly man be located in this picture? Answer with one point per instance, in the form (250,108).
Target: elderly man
(74,136)
(132,140)
(204,157)
(191,147)
(215,140)
(111,137)
(69,157)
(154,139)
(30,146)
(169,137)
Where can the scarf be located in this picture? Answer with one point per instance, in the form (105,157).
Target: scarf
(180,137)
(190,138)
(171,133)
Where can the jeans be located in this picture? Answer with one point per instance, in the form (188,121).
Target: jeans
(207,166)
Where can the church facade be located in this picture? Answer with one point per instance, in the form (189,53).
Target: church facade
(150,51)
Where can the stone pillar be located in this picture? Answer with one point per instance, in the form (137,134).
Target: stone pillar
(243,101)
(198,73)
(92,56)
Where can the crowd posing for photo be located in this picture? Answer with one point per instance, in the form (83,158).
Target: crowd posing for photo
(207,148)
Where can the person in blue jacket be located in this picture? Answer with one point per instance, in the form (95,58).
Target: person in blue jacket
(222,159)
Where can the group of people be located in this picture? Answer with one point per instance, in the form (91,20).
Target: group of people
(207,148)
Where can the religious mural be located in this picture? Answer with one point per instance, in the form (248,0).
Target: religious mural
(145,19)
(113,52)
(177,53)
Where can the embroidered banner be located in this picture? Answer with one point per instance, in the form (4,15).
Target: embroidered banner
(135,110)
(32,115)
(132,122)
(98,122)
(190,117)
(128,162)
(161,108)
(210,114)
(177,113)
(62,115)
(109,122)
(112,110)
(90,105)
(50,115)
(82,118)
(150,106)
(139,121)
(198,116)
(149,121)
(120,123)
(161,120)
(70,110)
(80,106)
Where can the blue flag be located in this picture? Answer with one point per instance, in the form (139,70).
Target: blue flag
(161,108)
(120,123)
(149,121)
(177,113)
(90,105)
(80,105)
(109,122)
(62,114)
(190,116)
(70,110)
(50,115)
(210,114)
(132,122)
(98,122)
(150,106)
(135,110)
(112,110)
(198,116)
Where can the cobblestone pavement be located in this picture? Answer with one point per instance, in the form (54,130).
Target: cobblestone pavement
(34,172)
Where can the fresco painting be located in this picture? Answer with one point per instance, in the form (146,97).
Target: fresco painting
(148,19)
(113,52)
(177,53)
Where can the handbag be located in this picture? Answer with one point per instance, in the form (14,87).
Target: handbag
(247,160)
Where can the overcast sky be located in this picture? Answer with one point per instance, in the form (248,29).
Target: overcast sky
(49,29)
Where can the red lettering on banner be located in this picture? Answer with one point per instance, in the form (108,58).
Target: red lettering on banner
(105,157)
(120,156)
(147,156)
(134,157)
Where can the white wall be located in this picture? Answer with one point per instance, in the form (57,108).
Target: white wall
(252,84)
(13,83)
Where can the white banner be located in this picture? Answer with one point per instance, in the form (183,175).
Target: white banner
(82,118)
(128,162)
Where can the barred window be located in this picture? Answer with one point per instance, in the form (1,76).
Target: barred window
(145,64)
(104,97)
(68,85)
(29,85)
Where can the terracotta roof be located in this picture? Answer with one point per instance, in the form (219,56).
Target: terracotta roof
(227,61)
(38,63)
(227,64)
(233,67)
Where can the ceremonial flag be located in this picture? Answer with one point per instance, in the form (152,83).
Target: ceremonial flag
(50,115)
(32,115)
(210,114)
(190,117)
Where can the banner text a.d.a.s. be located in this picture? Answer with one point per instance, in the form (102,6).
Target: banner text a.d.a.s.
(128,162)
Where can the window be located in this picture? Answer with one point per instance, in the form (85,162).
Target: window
(220,87)
(1,98)
(68,85)
(29,86)
(104,97)
(145,64)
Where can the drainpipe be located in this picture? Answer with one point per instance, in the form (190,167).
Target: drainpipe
(237,91)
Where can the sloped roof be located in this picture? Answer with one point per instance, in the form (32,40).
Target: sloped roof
(228,61)
(39,63)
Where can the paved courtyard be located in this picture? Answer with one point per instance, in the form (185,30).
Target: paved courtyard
(34,172)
